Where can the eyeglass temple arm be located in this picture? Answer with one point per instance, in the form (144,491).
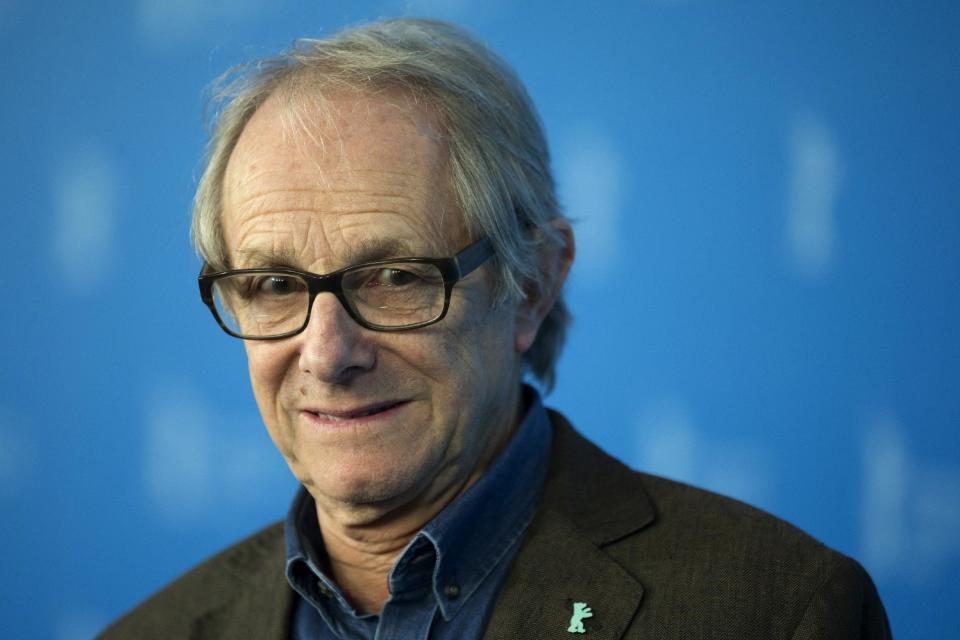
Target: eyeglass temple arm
(473,256)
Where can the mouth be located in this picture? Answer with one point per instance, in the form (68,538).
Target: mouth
(354,414)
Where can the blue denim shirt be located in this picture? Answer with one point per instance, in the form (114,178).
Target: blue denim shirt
(446,580)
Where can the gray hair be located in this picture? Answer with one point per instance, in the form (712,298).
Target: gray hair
(498,161)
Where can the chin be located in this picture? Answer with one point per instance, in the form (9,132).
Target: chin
(359,487)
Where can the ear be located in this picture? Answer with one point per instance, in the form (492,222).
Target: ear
(554,263)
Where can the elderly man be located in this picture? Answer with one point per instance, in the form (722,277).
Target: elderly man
(379,225)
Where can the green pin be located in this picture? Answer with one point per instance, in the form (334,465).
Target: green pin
(580,611)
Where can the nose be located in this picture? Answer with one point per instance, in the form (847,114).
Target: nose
(334,348)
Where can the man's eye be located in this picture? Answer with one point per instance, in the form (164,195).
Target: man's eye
(393,277)
(277,286)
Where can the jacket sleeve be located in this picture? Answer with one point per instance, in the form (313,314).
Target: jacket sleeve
(846,605)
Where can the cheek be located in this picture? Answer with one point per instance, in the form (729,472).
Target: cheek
(481,353)
(267,365)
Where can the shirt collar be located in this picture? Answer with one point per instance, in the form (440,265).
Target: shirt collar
(474,532)
(469,538)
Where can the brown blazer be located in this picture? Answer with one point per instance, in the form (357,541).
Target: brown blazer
(652,558)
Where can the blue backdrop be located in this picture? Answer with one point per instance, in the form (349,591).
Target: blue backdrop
(765,295)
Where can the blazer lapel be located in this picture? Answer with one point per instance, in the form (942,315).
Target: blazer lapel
(556,568)
(589,501)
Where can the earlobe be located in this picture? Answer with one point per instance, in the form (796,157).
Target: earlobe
(555,259)
(527,328)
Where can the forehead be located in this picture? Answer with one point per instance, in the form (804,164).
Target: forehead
(322,178)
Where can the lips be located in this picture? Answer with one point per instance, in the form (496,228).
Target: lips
(356,413)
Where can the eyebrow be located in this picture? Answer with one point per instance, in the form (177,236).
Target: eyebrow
(368,250)
(257,258)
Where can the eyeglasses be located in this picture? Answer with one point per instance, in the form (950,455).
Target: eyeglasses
(384,295)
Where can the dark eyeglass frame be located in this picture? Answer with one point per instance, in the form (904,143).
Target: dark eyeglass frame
(452,270)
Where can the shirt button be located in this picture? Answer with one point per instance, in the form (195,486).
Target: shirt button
(323,589)
(451,591)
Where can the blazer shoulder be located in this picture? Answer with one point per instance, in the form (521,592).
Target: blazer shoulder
(176,610)
(730,566)
(712,519)
(746,569)
(586,480)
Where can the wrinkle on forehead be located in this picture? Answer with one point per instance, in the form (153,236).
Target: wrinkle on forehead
(364,250)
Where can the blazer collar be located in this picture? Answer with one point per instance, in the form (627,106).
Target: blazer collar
(590,501)
(591,488)
(262,600)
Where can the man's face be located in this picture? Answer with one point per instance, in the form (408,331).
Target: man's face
(362,416)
